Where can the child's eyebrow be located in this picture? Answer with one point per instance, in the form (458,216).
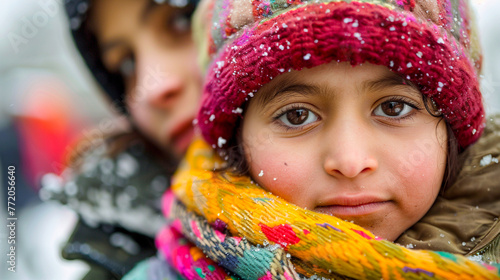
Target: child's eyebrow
(277,92)
(288,85)
(387,81)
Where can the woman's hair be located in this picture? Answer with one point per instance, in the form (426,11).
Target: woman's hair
(237,163)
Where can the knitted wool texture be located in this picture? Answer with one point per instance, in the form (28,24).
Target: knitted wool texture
(228,216)
(247,43)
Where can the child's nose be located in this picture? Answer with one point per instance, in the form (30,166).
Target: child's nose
(350,152)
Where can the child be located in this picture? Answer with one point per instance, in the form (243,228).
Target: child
(358,110)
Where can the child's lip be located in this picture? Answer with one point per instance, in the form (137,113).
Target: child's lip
(352,206)
(351,211)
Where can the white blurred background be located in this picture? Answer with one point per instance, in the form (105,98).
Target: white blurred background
(47,99)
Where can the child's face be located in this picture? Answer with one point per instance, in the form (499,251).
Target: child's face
(352,142)
(150,45)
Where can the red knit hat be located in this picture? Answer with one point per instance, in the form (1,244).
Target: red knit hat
(429,42)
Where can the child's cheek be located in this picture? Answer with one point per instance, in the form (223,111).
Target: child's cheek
(275,168)
(268,165)
(425,159)
(418,172)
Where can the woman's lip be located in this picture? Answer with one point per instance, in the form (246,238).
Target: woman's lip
(182,135)
(183,140)
(352,210)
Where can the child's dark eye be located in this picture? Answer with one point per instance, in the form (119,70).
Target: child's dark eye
(298,117)
(394,109)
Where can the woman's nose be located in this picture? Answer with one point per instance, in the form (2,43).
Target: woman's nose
(349,151)
(158,82)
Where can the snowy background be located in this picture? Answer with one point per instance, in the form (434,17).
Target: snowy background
(40,69)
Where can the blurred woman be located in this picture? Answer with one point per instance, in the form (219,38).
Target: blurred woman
(142,55)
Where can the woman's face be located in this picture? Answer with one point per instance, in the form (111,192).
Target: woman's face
(352,142)
(150,45)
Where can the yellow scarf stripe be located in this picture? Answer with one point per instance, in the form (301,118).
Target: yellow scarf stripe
(318,243)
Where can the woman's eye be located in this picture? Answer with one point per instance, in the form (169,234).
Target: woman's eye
(298,117)
(127,67)
(393,109)
(180,22)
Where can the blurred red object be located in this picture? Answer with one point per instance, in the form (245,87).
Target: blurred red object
(48,123)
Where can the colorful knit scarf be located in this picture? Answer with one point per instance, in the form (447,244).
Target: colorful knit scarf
(227,227)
